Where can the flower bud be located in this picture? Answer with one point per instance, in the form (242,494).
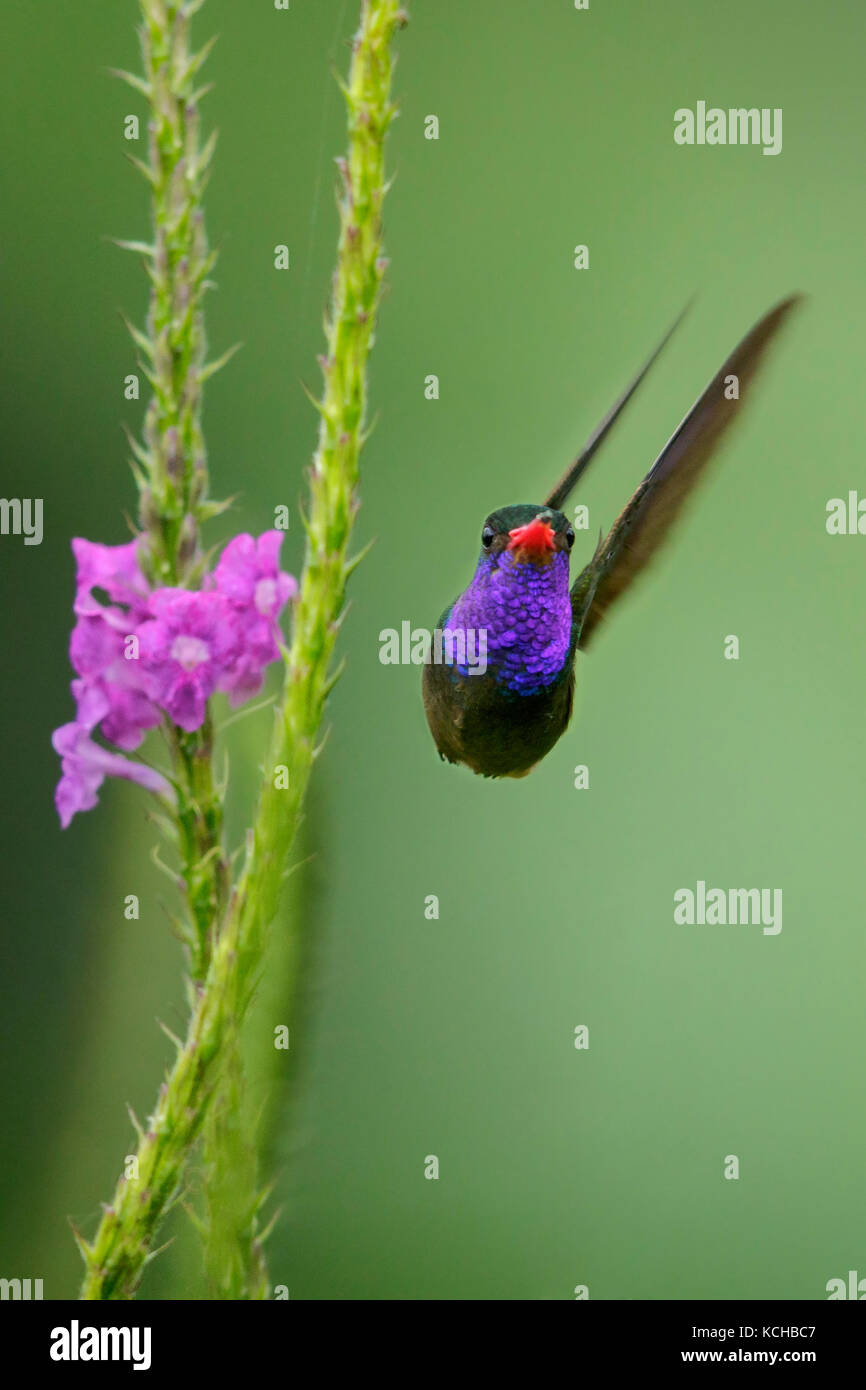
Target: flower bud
(187,545)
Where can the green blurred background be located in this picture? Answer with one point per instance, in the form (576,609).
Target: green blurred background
(455,1037)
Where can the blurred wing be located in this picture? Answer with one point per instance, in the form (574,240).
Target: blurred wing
(644,522)
(578,468)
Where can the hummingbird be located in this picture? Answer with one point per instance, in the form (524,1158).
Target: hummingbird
(501,720)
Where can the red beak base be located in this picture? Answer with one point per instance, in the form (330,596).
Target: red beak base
(535,538)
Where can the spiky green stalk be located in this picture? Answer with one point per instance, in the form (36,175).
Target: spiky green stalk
(170,463)
(127,1232)
(170,467)
(235,1264)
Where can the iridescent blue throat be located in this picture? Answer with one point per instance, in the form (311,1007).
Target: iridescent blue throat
(526,611)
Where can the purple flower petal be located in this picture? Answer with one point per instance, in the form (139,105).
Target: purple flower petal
(249,577)
(188,650)
(114,568)
(85,765)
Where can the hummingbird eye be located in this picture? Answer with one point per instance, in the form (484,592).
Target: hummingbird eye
(487,537)
(569,537)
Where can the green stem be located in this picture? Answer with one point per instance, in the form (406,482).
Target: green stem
(235,1263)
(172,472)
(204,866)
(170,462)
(171,465)
(124,1240)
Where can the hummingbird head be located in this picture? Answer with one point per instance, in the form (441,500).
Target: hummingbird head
(528,534)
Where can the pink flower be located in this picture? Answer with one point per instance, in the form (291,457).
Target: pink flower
(137,654)
(248,575)
(124,713)
(187,650)
(112,688)
(85,766)
(115,569)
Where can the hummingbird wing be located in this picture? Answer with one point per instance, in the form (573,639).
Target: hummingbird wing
(567,482)
(642,525)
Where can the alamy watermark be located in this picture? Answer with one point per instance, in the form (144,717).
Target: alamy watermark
(76,1343)
(465,648)
(738,125)
(853,1287)
(719,907)
(22,516)
(846,516)
(24,1289)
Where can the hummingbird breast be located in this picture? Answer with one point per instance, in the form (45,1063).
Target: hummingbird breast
(525,611)
(502,720)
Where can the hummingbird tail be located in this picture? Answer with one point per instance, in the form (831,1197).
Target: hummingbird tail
(568,481)
(645,521)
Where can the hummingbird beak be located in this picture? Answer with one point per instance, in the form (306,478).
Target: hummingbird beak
(534,540)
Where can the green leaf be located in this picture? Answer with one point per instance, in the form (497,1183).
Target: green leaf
(211,368)
(139,83)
